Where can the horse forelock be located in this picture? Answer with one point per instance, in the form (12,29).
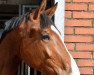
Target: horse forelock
(45,21)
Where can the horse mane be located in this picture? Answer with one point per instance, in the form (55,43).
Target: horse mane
(11,24)
(16,21)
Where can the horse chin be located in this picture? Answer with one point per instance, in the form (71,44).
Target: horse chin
(55,71)
(63,73)
(59,71)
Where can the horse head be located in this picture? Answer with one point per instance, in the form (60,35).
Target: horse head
(42,47)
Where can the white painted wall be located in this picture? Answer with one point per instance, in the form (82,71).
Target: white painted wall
(59,16)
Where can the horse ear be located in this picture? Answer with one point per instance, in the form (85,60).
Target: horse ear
(38,11)
(50,12)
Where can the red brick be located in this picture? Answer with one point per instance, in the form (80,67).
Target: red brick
(85,47)
(83,14)
(76,7)
(91,7)
(93,54)
(84,31)
(78,23)
(86,70)
(83,0)
(87,63)
(70,46)
(68,14)
(69,30)
(68,0)
(81,54)
(70,38)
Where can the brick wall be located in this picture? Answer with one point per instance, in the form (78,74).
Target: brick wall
(79,33)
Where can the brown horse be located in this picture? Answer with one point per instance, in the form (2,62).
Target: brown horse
(34,39)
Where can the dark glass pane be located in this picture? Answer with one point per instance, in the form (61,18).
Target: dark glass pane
(31,71)
(18,2)
(38,73)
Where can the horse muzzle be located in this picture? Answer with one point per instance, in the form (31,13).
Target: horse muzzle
(59,71)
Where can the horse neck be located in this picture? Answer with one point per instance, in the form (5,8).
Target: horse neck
(9,54)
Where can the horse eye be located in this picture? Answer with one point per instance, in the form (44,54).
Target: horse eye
(45,37)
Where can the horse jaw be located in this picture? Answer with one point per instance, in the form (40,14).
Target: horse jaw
(74,67)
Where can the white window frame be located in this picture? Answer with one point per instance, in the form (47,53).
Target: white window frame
(59,16)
